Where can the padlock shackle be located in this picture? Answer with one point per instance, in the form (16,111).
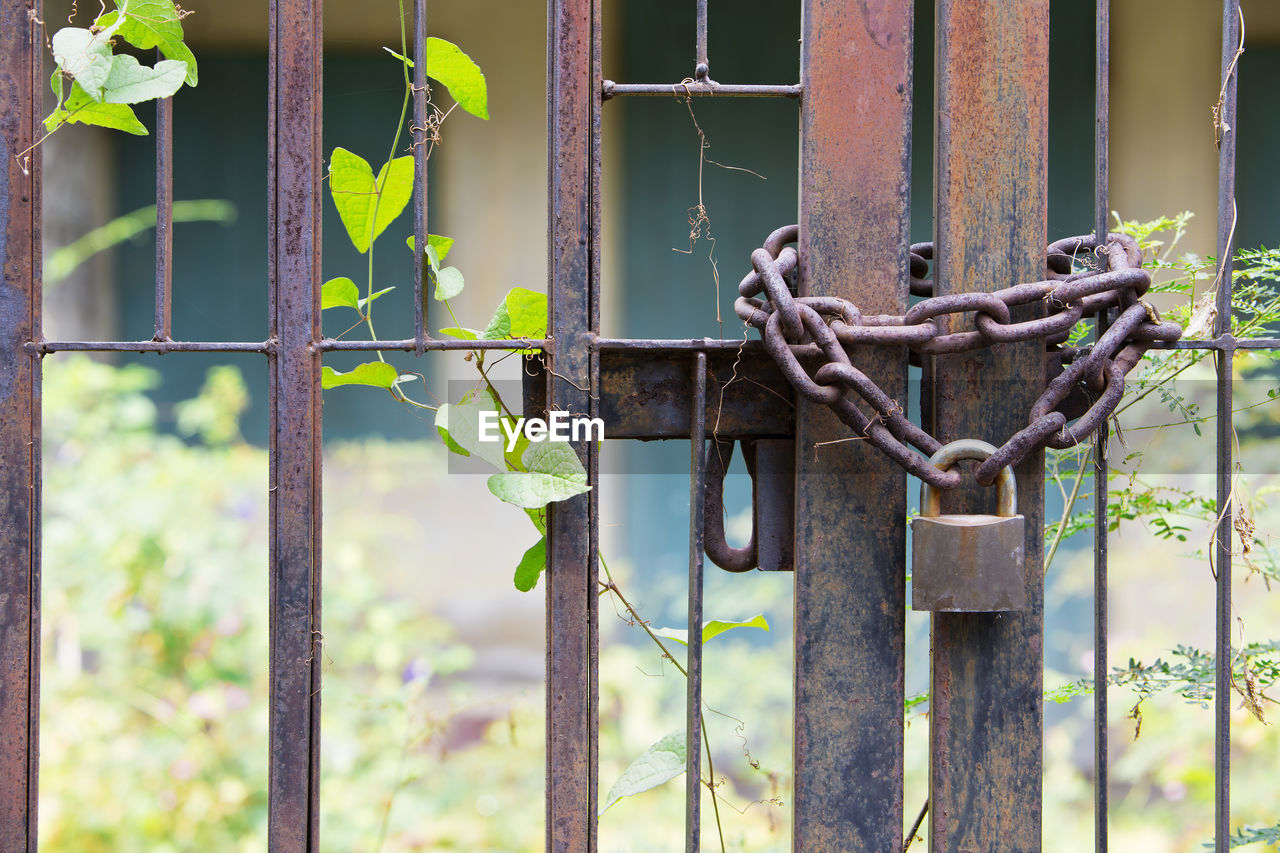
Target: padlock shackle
(978,451)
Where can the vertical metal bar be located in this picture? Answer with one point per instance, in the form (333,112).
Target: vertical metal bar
(850,501)
(573,104)
(1101,207)
(1102,123)
(693,662)
(1226,129)
(20,86)
(164,218)
(295,175)
(421,146)
(703,68)
(990,219)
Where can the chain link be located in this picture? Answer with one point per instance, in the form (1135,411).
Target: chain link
(808,337)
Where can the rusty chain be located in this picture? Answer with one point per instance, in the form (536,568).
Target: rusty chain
(819,330)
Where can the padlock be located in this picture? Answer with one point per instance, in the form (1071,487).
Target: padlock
(968,563)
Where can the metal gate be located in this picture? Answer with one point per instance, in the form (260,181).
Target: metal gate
(854,90)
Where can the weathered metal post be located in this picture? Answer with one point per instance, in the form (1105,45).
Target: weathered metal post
(990,220)
(296,169)
(573,113)
(850,500)
(20,77)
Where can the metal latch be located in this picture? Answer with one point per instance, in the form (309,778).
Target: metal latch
(771,464)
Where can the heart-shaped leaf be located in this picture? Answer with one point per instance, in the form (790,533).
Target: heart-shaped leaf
(552,472)
(449,283)
(339,293)
(459,424)
(85,55)
(713,628)
(367,205)
(130,82)
(154,23)
(81,109)
(460,75)
(437,247)
(659,763)
(521,315)
(375,373)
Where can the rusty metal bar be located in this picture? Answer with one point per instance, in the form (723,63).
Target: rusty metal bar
(421,269)
(159,347)
(990,220)
(426,345)
(850,536)
(573,111)
(663,345)
(294,180)
(1101,210)
(610,89)
(21,79)
(647,395)
(1232,44)
(702,68)
(1102,120)
(693,661)
(164,218)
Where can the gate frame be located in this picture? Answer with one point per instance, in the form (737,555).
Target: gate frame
(854,180)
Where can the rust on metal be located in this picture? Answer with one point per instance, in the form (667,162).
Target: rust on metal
(771,467)
(421,151)
(990,221)
(20,81)
(971,562)
(773,504)
(573,111)
(699,484)
(850,536)
(164,218)
(796,329)
(295,173)
(719,551)
(645,394)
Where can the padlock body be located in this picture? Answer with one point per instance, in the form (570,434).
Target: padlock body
(968,563)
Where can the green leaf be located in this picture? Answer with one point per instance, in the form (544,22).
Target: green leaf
(339,293)
(130,82)
(376,373)
(515,456)
(522,315)
(357,194)
(447,64)
(538,515)
(552,472)
(441,245)
(461,333)
(437,247)
(459,425)
(399,56)
(660,763)
(449,284)
(85,55)
(154,23)
(442,427)
(531,566)
(713,628)
(375,296)
(81,109)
